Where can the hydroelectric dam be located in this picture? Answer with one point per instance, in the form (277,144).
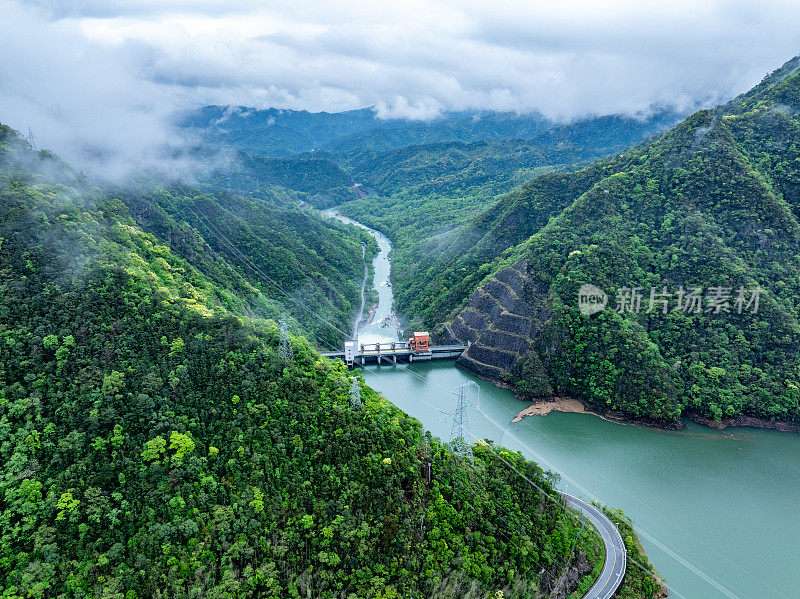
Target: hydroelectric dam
(390,353)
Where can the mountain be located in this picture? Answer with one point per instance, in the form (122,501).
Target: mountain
(264,254)
(315,178)
(712,204)
(281,133)
(272,132)
(463,159)
(491,166)
(156,441)
(439,201)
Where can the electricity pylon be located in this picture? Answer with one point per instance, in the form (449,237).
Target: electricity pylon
(31,138)
(355,395)
(459,431)
(285,347)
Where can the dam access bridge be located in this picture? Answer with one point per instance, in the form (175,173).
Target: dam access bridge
(416,349)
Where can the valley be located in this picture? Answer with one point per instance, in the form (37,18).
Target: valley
(691,536)
(453,301)
(654,217)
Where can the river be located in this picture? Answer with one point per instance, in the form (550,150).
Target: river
(383,324)
(717,511)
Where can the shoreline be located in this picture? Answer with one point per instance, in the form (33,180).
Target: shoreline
(551,404)
(574,405)
(744,421)
(568,405)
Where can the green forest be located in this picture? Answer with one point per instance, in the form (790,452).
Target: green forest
(713,202)
(336,300)
(156,444)
(437,202)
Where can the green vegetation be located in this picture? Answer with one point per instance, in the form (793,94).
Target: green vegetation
(155,444)
(280,133)
(435,198)
(712,203)
(641,579)
(259,249)
(487,167)
(312,178)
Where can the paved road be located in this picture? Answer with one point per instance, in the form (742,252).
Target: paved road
(614,566)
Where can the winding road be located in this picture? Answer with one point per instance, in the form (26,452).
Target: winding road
(613,571)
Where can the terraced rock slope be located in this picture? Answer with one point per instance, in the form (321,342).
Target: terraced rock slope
(500,322)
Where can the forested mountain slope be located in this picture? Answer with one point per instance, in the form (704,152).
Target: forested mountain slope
(282,133)
(436,198)
(315,178)
(155,444)
(262,250)
(487,167)
(712,204)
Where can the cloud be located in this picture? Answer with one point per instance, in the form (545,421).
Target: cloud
(100,79)
(86,101)
(425,109)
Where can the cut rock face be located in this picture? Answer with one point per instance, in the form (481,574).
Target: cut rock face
(500,322)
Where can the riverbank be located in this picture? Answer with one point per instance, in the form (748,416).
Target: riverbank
(557,404)
(572,405)
(746,421)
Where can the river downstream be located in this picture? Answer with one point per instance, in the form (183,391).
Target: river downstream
(382,324)
(717,511)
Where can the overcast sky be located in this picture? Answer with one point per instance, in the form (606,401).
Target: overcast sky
(103,73)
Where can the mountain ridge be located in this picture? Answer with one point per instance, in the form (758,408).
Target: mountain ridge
(723,184)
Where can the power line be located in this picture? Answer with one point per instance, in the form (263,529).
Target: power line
(459,420)
(461,413)
(237,253)
(460,425)
(460,417)
(542,460)
(644,504)
(220,236)
(355,395)
(285,350)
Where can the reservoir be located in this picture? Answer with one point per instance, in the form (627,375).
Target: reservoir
(717,511)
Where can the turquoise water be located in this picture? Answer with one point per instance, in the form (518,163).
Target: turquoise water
(717,511)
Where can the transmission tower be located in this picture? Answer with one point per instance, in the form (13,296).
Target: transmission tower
(355,395)
(31,138)
(286,351)
(459,431)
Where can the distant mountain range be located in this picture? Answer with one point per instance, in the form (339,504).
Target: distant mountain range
(323,155)
(280,133)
